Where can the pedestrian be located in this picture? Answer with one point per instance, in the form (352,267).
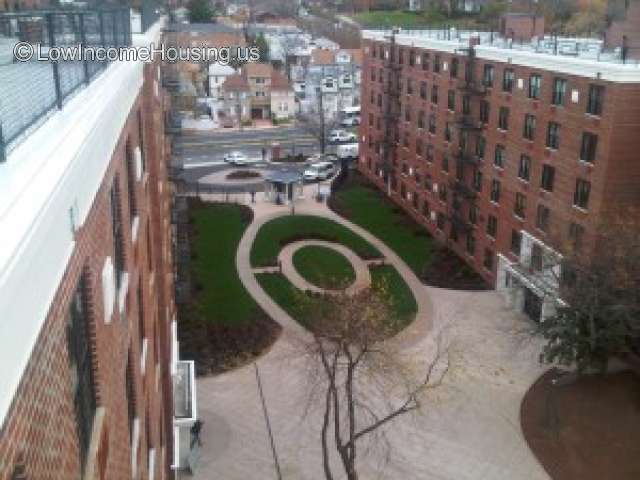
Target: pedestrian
(264,153)
(195,432)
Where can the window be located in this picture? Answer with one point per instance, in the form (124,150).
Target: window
(432,123)
(542,218)
(477,180)
(484,111)
(535,82)
(492,226)
(407,114)
(508,79)
(141,141)
(419,147)
(412,58)
(421,119)
(436,64)
(576,235)
(553,135)
(495,191)
(487,76)
(453,71)
(81,360)
(536,257)
(426,210)
(524,171)
(442,192)
(428,183)
(423,90)
(471,244)
(488,259)
(481,144)
(581,195)
(529,126)
(447,132)
(400,56)
(466,105)
(445,163)
(588,147)
(500,156)
(503,118)
(130,392)
(548,173)
(474,213)
(596,97)
(451,100)
(373,74)
(379,100)
(520,206)
(131,180)
(140,300)
(409,86)
(516,241)
(429,154)
(440,220)
(434,94)
(116,232)
(425,61)
(559,90)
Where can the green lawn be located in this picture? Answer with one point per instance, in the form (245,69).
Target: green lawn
(403,304)
(369,209)
(298,304)
(281,231)
(426,19)
(324,267)
(220,296)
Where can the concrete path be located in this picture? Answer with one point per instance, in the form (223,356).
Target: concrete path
(467,429)
(360,267)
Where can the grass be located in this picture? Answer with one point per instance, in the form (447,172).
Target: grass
(281,231)
(220,296)
(324,267)
(369,209)
(401,301)
(425,18)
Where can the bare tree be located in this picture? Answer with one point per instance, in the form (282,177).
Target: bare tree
(359,376)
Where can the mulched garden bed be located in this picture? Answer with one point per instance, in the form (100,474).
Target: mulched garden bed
(585,430)
(242,175)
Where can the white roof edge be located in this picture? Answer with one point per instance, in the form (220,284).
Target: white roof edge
(582,67)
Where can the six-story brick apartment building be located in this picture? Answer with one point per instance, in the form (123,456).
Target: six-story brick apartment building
(500,149)
(90,386)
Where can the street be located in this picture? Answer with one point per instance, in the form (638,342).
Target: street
(202,148)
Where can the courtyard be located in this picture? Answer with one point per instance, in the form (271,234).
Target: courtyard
(258,420)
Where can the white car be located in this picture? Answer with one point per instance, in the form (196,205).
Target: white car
(350,122)
(236,158)
(318,171)
(341,136)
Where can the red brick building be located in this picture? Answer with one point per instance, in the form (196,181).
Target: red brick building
(90,363)
(502,153)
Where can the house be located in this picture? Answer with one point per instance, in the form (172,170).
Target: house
(334,73)
(218,74)
(258,92)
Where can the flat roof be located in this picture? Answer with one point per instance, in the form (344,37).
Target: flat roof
(575,56)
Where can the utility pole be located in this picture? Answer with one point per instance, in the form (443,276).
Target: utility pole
(322,125)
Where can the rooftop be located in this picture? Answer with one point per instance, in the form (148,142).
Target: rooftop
(576,56)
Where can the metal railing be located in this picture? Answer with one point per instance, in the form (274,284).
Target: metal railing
(33,89)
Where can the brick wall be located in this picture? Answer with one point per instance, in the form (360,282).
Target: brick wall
(613,174)
(40,433)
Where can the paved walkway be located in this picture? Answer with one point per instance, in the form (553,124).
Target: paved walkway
(361,268)
(467,429)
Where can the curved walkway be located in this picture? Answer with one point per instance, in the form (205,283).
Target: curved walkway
(466,429)
(289,270)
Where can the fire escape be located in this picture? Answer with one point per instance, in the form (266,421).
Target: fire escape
(392,91)
(469,128)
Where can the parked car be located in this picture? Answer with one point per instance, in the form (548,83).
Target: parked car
(350,122)
(236,158)
(341,136)
(347,151)
(319,171)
